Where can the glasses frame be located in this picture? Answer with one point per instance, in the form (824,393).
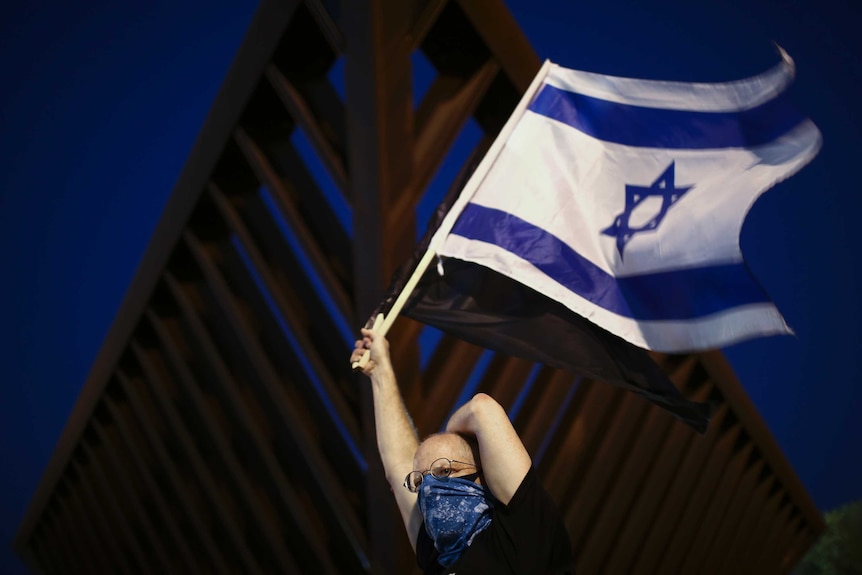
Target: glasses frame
(407,484)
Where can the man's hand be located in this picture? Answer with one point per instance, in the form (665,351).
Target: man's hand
(377,345)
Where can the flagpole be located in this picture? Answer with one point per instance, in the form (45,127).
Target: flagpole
(382,327)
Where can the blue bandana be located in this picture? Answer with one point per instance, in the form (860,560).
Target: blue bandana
(455,511)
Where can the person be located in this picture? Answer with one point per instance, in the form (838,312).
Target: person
(469,497)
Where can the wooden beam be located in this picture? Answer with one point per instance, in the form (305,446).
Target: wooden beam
(380,128)
(235,403)
(185,497)
(505,40)
(263,35)
(710,521)
(128,446)
(717,365)
(616,442)
(585,423)
(156,375)
(309,246)
(441,116)
(119,521)
(59,546)
(625,487)
(300,111)
(734,559)
(259,366)
(720,544)
(133,496)
(89,505)
(680,490)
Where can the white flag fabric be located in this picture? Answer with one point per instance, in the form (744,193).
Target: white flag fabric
(623,199)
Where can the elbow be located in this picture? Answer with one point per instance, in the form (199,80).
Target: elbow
(475,414)
(483,407)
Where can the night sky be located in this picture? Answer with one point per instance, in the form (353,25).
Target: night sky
(100,103)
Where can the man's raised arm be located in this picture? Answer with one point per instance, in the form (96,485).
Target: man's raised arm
(396,436)
(505,461)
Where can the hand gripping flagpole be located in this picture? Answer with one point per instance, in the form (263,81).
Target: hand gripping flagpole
(381,323)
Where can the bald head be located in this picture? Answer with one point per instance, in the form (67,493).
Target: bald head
(453,446)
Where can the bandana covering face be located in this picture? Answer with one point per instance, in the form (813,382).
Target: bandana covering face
(455,511)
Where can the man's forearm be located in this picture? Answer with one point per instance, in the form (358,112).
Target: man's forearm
(505,461)
(396,442)
(396,437)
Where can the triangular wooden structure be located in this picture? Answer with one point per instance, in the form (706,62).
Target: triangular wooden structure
(221,429)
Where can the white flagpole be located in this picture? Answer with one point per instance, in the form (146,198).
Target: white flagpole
(382,327)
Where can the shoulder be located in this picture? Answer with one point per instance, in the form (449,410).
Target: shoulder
(528,535)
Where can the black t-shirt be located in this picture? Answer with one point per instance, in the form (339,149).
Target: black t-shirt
(525,537)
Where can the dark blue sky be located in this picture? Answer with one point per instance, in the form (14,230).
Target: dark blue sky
(100,103)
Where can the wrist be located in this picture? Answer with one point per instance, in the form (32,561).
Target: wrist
(382,371)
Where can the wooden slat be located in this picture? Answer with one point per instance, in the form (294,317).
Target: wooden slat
(219,561)
(616,442)
(779,553)
(446,107)
(96,535)
(40,557)
(215,492)
(263,35)
(564,474)
(156,375)
(265,373)
(310,248)
(423,22)
(780,531)
(624,487)
(301,535)
(761,531)
(297,297)
(303,116)
(720,543)
(327,25)
(121,520)
(80,545)
(324,484)
(655,490)
(439,400)
(681,487)
(89,505)
(132,496)
(59,547)
(258,362)
(243,236)
(697,504)
(546,399)
(504,379)
(795,551)
(719,501)
(755,426)
(504,39)
(730,562)
(130,448)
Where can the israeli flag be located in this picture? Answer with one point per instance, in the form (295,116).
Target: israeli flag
(623,199)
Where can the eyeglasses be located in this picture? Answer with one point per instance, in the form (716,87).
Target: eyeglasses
(440,468)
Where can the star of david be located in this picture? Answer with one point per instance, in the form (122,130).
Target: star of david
(662,187)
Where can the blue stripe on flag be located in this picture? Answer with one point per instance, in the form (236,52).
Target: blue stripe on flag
(662,128)
(672,295)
